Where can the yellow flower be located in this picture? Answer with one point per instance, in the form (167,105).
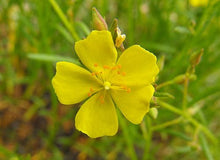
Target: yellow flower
(109,80)
(197,3)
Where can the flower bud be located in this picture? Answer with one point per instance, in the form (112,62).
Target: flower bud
(196,57)
(190,70)
(153,113)
(181,78)
(119,38)
(160,62)
(98,22)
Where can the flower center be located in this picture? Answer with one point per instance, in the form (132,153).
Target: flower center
(106,74)
(107,85)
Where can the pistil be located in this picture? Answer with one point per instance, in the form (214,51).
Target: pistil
(107,85)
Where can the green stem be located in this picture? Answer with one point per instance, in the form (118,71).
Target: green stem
(205,147)
(189,118)
(131,20)
(185,92)
(64,19)
(166,124)
(164,84)
(147,132)
(128,139)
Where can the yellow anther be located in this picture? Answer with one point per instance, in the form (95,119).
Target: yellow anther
(107,85)
(96,65)
(119,72)
(96,73)
(114,68)
(119,66)
(102,99)
(123,87)
(128,90)
(91,91)
(93,73)
(106,67)
(123,73)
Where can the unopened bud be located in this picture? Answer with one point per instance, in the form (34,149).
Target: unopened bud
(193,23)
(192,77)
(153,113)
(98,21)
(196,57)
(160,62)
(191,70)
(181,78)
(119,38)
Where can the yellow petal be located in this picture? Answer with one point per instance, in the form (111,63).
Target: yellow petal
(96,117)
(97,50)
(138,65)
(72,83)
(135,104)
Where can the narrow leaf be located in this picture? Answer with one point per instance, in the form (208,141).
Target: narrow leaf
(51,58)
(65,34)
(163,94)
(178,134)
(205,147)
(83,27)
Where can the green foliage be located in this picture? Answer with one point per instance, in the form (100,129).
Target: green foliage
(51,58)
(36,34)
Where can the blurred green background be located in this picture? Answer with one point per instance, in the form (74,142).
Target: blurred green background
(34,125)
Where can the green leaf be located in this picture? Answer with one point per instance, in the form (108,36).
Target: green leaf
(57,154)
(1,77)
(183,149)
(51,58)
(64,19)
(65,33)
(163,94)
(205,147)
(159,47)
(182,30)
(83,27)
(178,134)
